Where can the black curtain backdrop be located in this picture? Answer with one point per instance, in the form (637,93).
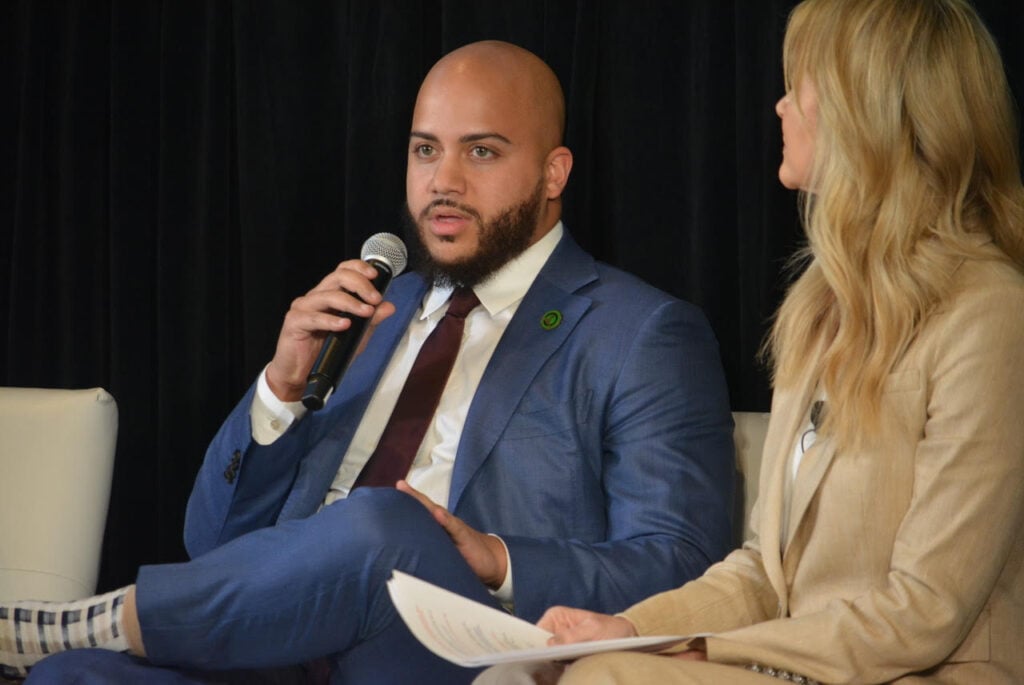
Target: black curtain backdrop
(175,173)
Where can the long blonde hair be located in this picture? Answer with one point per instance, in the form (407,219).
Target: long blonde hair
(915,151)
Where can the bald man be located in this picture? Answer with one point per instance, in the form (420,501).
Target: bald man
(580,454)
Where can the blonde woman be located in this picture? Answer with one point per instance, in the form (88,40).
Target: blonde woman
(888,542)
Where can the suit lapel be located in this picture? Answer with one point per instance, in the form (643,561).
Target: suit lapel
(812,469)
(813,465)
(353,394)
(523,350)
(787,420)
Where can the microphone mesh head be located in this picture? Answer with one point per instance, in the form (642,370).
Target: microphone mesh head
(387,248)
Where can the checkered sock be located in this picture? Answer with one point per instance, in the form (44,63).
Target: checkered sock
(31,630)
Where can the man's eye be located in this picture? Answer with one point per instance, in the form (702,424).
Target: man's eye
(424,150)
(481,152)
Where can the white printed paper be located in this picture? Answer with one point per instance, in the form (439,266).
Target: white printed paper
(471,634)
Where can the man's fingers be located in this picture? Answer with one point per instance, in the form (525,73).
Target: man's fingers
(452,524)
(332,302)
(403,486)
(352,277)
(384,310)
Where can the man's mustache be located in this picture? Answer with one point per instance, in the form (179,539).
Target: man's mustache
(444,202)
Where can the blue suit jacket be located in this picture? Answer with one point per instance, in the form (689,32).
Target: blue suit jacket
(600,450)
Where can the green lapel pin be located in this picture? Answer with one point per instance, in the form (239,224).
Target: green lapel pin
(551,320)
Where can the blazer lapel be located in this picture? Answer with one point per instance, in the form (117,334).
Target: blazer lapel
(812,469)
(787,420)
(523,350)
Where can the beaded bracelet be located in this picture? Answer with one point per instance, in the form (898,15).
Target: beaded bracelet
(782,675)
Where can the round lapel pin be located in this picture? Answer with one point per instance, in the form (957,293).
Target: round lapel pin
(551,320)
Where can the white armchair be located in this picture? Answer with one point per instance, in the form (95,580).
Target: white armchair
(56,463)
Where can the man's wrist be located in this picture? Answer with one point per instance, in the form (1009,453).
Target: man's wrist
(285,392)
(503,590)
(270,416)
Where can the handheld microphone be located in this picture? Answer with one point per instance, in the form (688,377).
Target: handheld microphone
(387,254)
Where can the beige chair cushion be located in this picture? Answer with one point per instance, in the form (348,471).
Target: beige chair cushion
(749,434)
(56,461)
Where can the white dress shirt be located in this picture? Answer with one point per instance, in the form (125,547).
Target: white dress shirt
(431,470)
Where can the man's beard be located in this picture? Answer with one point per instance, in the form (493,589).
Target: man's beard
(500,241)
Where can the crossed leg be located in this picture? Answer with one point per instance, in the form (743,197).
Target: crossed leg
(289,594)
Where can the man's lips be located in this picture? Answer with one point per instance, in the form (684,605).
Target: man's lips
(444,220)
(447,214)
(446,225)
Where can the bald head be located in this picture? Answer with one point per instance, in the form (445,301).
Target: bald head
(512,78)
(486,162)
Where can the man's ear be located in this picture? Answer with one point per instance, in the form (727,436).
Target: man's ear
(556,171)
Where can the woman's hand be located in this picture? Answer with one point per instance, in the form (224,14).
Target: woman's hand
(577,625)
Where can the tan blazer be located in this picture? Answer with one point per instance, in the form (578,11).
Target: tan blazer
(903,561)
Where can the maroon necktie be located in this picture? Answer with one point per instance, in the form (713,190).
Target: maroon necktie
(420,396)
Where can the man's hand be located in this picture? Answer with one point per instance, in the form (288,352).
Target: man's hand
(348,289)
(484,553)
(578,625)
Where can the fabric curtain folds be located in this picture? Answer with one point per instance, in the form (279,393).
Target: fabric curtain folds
(173,174)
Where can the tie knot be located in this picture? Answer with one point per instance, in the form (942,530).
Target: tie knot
(463,301)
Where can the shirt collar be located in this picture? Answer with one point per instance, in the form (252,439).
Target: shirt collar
(507,285)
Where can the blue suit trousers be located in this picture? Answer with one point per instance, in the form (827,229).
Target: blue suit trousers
(286,595)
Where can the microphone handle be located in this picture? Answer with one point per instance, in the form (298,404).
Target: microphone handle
(338,349)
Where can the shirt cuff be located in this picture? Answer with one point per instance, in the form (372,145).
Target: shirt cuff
(270,416)
(504,593)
